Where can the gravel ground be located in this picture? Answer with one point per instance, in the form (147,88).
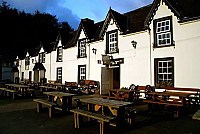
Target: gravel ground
(20,117)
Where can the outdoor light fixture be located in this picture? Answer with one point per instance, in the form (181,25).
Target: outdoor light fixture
(134,44)
(94,50)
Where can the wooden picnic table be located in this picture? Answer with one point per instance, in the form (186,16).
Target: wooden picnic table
(119,94)
(117,108)
(177,99)
(18,87)
(64,100)
(58,86)
(164,98)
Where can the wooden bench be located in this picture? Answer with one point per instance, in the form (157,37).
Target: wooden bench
(112,97)
(101,118)
(10,92)
(31,92)
(196,116)
(3,91)
(194,93)
(51,105)
(88,86)
(164,103)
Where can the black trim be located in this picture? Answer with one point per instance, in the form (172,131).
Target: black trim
(57,74)
(78,56)
(43,56)
(107,41)
(155,45)
(58,53)
(156,68)
(79,66)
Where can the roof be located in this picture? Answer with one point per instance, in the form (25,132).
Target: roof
(130,22)
(185,10)
(39,66)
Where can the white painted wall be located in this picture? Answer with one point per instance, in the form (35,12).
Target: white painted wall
(136,68)
(186,51)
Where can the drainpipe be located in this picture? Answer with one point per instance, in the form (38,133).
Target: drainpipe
(88,61)
(149,30)
(50,65)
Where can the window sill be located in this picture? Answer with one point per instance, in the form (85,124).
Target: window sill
(113,52)
(163,46)
(81,57)
(59,61)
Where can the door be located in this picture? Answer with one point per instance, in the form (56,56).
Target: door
(106,79)
(30,76)
(36,75)
(116,78)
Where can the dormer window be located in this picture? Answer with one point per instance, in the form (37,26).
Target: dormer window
(27,63)
(82,48)
(41,57)
(112,42)
(163,32)
(59,54)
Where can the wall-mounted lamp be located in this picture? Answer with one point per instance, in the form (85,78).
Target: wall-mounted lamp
(94,50)
(134,44)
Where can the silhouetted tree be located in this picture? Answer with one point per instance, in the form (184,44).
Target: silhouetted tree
(21,31)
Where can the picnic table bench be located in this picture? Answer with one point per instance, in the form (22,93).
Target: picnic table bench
(51,105)
(193,93)
(106,107)
(118,94)
(88,86)
(56,101)
(9,92)
(179,97)
(101,118)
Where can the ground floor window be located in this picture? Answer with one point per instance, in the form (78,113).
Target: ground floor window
(164,72)
(81,72)
(59,74)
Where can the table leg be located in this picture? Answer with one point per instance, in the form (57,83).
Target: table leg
(120,117)
(39,107)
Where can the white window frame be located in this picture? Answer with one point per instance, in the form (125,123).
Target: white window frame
(163,32)
(59,73)
(112,42)
(27,63)
(59,54)
(82,73)
(164,71)
(82,48)
(42,57)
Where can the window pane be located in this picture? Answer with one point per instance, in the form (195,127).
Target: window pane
(167,22)
(165,71)
(164,64)
(159,24)
(167,27)
(160,70)
(165,76)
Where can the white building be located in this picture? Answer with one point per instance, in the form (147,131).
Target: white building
(156,43)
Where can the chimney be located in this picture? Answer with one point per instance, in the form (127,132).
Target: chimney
(86,20)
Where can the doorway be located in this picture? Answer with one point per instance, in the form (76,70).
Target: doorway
(30,76)
(110,78)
